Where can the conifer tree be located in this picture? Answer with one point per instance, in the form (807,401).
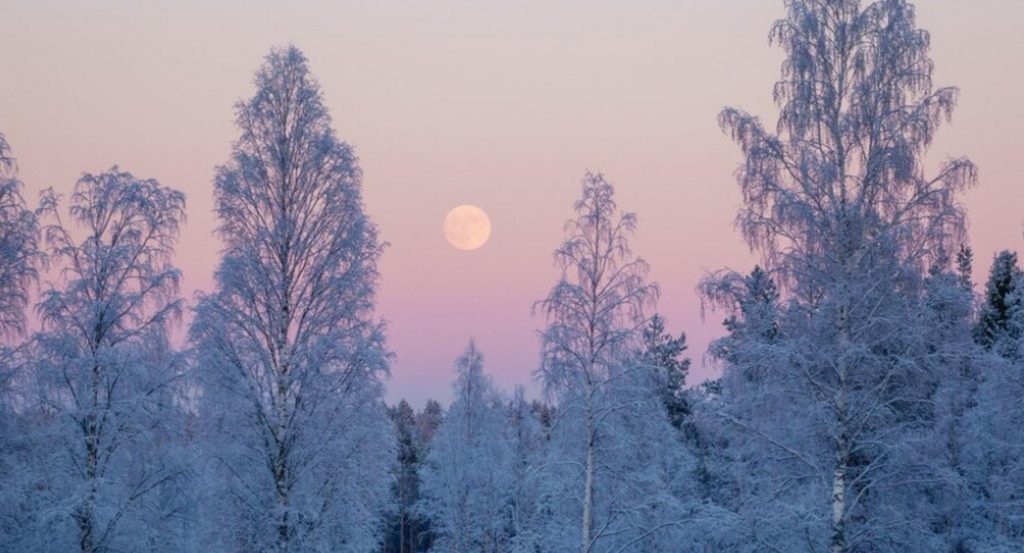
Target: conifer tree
(1000,305)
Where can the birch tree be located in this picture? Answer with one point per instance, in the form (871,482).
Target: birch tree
(290,357)
(19,256)
(18,245)
(19,260)
(607,462)
(839,204)
(104,372)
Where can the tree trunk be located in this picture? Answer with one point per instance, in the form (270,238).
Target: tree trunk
(283,524)
(588,484)
(284,530)
(839,544)
(838,540)
(85,514)
(281,476)
(401,510)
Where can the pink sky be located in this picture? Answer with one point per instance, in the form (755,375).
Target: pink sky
(503,105)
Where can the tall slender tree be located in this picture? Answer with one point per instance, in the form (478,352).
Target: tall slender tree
(290,356)
(839,204)
(19,251)
(404,525)
(19,246)
(965,267)
(611,425)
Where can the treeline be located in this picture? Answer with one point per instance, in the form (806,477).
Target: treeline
(869,400)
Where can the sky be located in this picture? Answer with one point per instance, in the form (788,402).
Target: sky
(501,104)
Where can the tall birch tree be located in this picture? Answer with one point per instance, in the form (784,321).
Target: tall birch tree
(290,356)
(840,205)
(613,445)
(19,246)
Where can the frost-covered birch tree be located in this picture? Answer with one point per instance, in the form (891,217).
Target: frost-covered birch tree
(19,260)
(838,202)
(18,245)
(103,379)
(613,446)
(289,355)
(19,249)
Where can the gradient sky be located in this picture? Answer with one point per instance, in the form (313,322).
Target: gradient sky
(503,105)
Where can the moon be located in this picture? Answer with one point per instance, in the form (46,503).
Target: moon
(467,227)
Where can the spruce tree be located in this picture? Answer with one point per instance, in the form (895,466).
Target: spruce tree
(662,353)
(1000,304)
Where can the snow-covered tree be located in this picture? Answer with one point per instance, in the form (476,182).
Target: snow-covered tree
(952,359)
(729,483)
(613,457)
(428,421)
(467,479)
(289,355)
(18,264)
(965,267)
(18,245)
(1002,304)
(754,304)
(103,405)
(661,353)
(839,204)
(406,528)
(991,448)
(526,437)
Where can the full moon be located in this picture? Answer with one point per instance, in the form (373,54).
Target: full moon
(467,227)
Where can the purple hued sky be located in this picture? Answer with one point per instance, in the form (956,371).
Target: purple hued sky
(503,105)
